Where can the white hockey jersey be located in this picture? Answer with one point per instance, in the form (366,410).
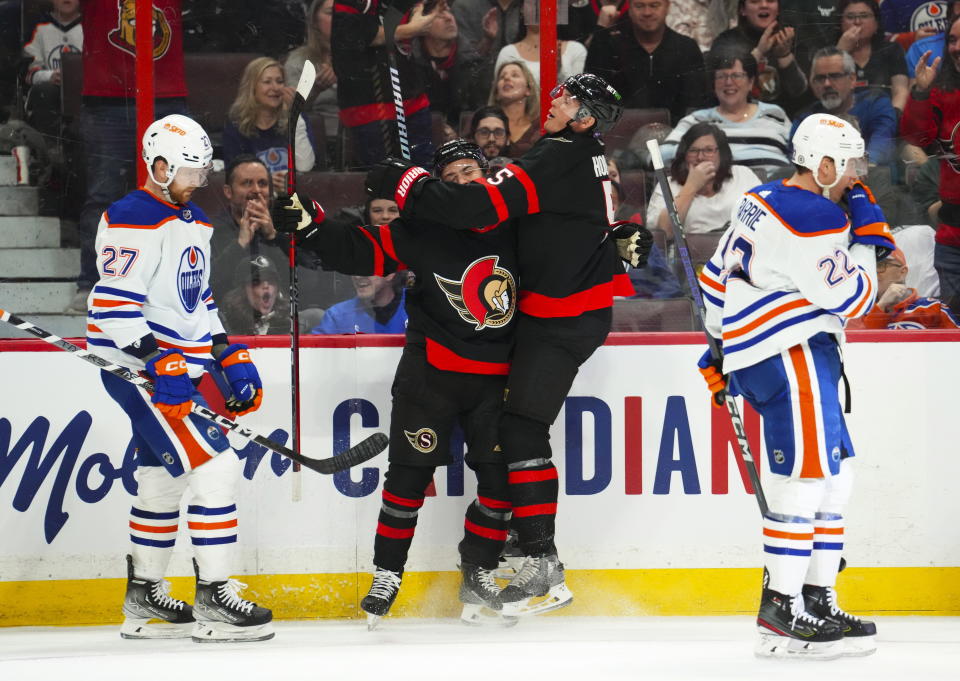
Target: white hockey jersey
(784,271)
(154,263)
(48,44)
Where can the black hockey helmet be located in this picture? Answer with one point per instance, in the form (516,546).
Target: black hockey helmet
(454,150)
(597,98)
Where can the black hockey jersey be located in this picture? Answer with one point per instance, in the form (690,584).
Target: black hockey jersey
(562,194)
(462,304)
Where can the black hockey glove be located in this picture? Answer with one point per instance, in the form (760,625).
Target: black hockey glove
(394,179)
(633,243)
(291,213)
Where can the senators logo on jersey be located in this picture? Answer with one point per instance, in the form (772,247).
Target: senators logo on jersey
(486,295)
(424,440)
(123,35)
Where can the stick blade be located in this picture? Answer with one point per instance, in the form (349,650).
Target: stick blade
(307,78)
(359,453)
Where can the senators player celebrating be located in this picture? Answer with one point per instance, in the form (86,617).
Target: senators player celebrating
(560,194)
(453,371)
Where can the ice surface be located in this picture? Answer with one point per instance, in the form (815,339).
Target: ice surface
(576,648)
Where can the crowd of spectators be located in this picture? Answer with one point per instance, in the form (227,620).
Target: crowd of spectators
(723,83)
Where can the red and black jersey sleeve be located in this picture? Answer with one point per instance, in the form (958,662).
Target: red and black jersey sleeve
(518,189)
(350,248)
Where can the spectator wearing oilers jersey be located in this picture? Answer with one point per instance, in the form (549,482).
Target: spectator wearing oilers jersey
(364,91)
(152,311)
(932,116)
(462,310)
(786,275)
(900,307)
(559,196)
(61,32)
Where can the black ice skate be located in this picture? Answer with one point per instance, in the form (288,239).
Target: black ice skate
(223,616)
(383,592)
(480,596)
(538,576)
(147,600)
(511,557)
(788,630)
(858,635)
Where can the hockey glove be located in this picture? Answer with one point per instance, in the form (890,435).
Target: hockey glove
(633,242)
(173,388)
(394,179)
(297,212)
(243,378)
(868,225)
(712,370)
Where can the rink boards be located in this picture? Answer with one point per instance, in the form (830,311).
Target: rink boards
(654,517)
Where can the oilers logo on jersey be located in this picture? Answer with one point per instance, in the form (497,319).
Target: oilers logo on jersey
(190,277)
(486,294)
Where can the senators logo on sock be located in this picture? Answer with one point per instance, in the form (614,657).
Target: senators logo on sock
(486,294)
(424,440)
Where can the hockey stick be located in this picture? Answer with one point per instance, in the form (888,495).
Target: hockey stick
(307,78)
(391,19)
(732,408)
(363,451)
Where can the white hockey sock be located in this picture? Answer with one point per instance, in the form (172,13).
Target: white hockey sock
(213,533)
(152,536)
(787,546)
(828,531)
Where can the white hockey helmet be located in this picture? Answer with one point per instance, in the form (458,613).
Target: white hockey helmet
(184,145)
(822,135)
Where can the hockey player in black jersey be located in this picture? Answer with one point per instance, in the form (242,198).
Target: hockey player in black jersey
(453,370)
(560,196)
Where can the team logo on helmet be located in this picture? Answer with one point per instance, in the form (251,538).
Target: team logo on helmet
(486,294)
(424,440)
(123,35)
(190,277)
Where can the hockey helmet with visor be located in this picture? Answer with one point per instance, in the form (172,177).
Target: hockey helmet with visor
(186,148)
(596,98)
(822,136)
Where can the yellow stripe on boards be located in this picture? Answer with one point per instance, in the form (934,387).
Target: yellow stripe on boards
(731,591)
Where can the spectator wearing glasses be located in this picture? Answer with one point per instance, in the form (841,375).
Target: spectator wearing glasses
(490,130)
(832,79)
(705,183)
(879,63)
(760,31)
(757,132)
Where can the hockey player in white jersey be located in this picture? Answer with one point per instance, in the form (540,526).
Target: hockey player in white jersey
(787,274)
(152,310)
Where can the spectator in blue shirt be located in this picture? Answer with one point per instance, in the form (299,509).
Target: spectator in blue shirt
(377,308)
(832,80)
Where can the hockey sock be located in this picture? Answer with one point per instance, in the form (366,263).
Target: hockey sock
(152,535)
(487,518)
(827,549)
(403,494)
(213,532)
(787,546)
(532,480)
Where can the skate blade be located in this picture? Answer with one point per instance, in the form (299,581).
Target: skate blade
(221,632)
(859,646)
(558,597)
(136,628)
(771,645)
(373,621)
(477,615)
